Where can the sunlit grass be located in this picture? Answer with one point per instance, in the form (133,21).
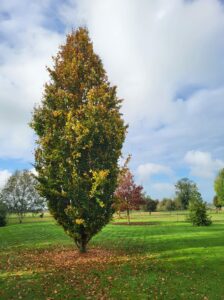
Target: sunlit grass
(168,260)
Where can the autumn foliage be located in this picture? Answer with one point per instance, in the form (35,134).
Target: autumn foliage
(80,135)
(128,195)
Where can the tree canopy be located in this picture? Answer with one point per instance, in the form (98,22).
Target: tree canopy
(217,203)
(20,194)
(80,136)
(185,190)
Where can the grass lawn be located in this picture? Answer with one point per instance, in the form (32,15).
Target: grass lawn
(167,260)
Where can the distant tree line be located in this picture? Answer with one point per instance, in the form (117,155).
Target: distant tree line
(129,196)
(185,190)
(19,196)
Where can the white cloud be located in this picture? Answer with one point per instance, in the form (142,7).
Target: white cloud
(145,171)
(167,59)
(26,48)
(152,49)
(202,164)
(165,56)
(4,175)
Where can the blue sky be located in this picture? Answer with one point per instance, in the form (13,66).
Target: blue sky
(167,59)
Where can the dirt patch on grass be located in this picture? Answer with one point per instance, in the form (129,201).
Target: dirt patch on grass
(135,223)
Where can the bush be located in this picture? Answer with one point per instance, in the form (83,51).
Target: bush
(198,213)
(3,214)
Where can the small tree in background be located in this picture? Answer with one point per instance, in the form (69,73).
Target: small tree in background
(166,204)
(185,189)
(20,195)
(3,213)
(198,215)
(128,195)
(217,203)
(219,187)
(150,204)
(80,136)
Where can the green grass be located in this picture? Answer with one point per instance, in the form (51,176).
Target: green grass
(29,218)
(167,260)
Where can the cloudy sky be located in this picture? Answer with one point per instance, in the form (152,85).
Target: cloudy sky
(167,59)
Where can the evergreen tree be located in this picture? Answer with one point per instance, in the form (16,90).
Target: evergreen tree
(80,135)
(198,211)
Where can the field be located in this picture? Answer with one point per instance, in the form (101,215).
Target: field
(168,259)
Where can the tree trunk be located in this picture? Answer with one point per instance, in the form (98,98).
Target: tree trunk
(128,215)
(81,244)
(20,219)
(82,248)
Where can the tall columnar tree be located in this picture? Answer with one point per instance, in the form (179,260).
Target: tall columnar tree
(80,136)
(185,190)
(219,187)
